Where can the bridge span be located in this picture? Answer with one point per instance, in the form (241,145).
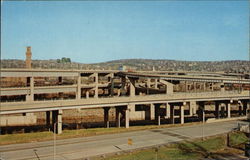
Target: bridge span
(133,95)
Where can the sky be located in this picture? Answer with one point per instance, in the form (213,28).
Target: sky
(99,31)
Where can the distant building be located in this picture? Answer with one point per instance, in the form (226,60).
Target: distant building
(28,57)
(122,68)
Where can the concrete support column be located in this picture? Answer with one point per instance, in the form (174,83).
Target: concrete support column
(194,84)
(48,119)
(118,92)
(112,86)
(223,109)
(32,88)
(118,117)
(87,94)
(57,121)
(60,81)
(127,118)
(240,108)
(157,114)
(192,108)
(123,90)
(132,87)
(172,114)
(182,114)
(30,83)
(167,110)
(217,110)
(244,108)
(78,92)
(96,85)
(170,88)
(106,116)
(201,111)
(148,83)
(152,111)
(228,110)
(156,84)
(186,86)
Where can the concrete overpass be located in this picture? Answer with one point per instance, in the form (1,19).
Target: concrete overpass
(125,97)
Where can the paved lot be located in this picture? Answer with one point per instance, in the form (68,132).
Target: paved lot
(77,148)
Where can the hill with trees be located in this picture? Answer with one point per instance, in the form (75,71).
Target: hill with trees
(235,66)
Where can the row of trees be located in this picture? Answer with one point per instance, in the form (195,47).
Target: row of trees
(63,60)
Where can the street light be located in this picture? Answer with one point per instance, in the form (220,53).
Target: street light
(55,139)
(203,121)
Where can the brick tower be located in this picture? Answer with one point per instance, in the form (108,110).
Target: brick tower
(28,57)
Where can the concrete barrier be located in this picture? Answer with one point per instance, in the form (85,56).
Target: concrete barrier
(18,120)
(212,120)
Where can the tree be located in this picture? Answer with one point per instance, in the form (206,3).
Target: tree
(64,60)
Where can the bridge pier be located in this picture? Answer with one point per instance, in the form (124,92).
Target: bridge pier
(156,83)
(131,87)
(182,113)
(57,121)
(127,114)
(48,119)
(106,116)
(201,110)
(60,81)
(87,94)
(30,83)
(217,110)
(244,108)
(157,114)
(78,91)
(118,116)
(119,92)
(96,84)
(240,108)
(172,114)
(152,111)
(192,108)
(122,110)
(223,110)
(167,110)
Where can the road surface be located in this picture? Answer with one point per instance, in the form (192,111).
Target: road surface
(80,148)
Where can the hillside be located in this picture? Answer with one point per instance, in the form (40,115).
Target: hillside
(139,64)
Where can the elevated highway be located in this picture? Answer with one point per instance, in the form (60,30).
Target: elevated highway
(49,105)
(183,91)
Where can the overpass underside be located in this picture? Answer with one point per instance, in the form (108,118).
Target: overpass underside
(156,97)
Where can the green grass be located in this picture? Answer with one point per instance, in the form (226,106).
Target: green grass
(27,137)
(185,150)
(43,136)
(238,138)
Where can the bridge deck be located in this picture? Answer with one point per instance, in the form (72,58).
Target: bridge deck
(37,106)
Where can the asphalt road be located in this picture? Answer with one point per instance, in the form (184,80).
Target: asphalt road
(80,148)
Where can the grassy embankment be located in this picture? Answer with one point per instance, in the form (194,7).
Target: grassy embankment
(195,149)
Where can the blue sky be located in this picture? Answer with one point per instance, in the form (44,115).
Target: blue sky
(98,31)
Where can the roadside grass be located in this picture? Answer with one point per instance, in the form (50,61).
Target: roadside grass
(196,149)
(237,138)
(26,137)
(46,135)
